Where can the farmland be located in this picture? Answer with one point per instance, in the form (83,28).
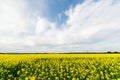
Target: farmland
(59,67)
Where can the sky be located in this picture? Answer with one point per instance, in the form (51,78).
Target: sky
(59,25)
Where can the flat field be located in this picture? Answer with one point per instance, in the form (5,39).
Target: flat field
(59,66)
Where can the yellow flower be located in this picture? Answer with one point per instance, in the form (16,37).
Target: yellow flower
(32,78)
(26,78)
(118,79)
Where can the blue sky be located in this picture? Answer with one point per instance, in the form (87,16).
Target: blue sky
(59,25)
(53,10)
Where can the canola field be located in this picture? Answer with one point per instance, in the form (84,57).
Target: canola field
(59,67)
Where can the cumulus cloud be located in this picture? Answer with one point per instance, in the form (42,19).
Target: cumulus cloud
(11,17)
(15,24)
(94,17)
(91,26)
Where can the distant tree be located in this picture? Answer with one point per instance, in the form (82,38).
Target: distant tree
(109,52)
(115,52)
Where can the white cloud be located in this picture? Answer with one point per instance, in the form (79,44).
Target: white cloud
(93,23)
(11,17)
(91,26)
(14,21)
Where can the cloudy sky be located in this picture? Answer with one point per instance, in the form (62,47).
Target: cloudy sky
(59,25)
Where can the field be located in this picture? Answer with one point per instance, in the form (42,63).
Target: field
(59,67)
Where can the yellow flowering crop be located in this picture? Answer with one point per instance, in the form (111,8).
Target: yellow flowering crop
(59,67)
